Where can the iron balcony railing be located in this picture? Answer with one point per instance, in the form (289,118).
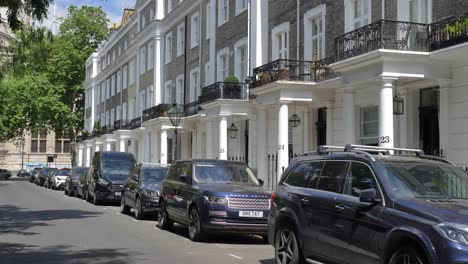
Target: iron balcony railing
(192,108)
(383,34)
(293,70)
(156,112)
(136,123)
(223,90)
(107,129)
(449,31)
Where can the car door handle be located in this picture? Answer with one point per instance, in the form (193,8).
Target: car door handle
(305,201)
(339,208)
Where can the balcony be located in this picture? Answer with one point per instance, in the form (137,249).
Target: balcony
(135,123)
(107,129)
(191,109)
(222,90)
(449,31)
(156,112)
(383,34)
(293,70)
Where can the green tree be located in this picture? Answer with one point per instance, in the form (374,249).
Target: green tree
(36,9)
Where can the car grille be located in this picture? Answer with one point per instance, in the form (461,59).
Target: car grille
(117,187)
(249,203)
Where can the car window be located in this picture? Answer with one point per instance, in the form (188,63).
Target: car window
(173,174)
(303,172)
(359,178)
(330,177)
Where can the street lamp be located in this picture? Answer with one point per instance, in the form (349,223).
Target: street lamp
(233,131)
(295,120)
(175,115)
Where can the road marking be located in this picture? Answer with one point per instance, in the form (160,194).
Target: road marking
(234,256)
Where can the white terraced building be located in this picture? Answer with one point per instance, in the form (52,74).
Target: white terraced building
(389,73)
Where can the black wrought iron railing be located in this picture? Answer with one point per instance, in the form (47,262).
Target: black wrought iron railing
(117,125)
(156,112)
(98,132)
(383,34)
(79,139)
(192,108)
(107,129)
(449,31)
(223,90)
(136,123)
(293,70)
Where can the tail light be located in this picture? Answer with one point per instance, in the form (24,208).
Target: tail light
(272,198)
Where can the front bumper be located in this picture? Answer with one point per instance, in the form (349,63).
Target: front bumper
(60,184)
(111,193)
(150,203)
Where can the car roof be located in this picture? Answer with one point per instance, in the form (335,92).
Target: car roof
(114,155)
(211,161)
(154,165)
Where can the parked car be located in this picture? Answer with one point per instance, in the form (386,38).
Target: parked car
(81,188)
(23,173)
(354,206)
(71,182)
(107,175)
(5,174)
(34,178)
(213,196)
(58,179)
(44,179)
(141,190)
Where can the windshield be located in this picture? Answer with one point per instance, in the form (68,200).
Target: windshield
(425,180)
(224,173)
(63,173)
(78,171)
(116,170)
(153,174)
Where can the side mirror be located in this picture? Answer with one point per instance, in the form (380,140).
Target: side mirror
(183,178)
(134,177)
(261,182)
(369,196)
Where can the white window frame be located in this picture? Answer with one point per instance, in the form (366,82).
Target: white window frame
(125,44)
(117,113)
(208,21)
(195,30)
(349,14)
(168,47)
(124,111)
(169,6)
(363,137)
(317,12)
(103,91)
(180,39)
(179,98)
(142,68)
(119,81)
(112,117)
(194,84)
(125,77)
(223,12)
(222,71)
(142,102)
(132,72)
(149,96)
(112,85)
(280,31)
(241,6)
(150,56)
(207,74)
(421,17)
(168,86)
(240,73)
(108,88)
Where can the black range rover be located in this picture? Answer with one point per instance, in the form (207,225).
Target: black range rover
(107,175)
(213,196)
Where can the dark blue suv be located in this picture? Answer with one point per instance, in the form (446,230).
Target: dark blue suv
(362,204)
(213,196)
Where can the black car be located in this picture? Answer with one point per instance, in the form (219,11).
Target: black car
(82,185)
(362,204)
(107,175)
(44,176)
(141,191)
(23,173)
(5,174)
(213,196)
(72,180)
(34,178)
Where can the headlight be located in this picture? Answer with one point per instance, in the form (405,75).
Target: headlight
(103,182)
(215,199)
(151,193)
(455,232)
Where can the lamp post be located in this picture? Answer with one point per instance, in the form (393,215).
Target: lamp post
(175,116)
(233,131)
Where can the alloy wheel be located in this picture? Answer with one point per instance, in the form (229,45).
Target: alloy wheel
(138,211)
(406,255)
(195,228)
(286,248)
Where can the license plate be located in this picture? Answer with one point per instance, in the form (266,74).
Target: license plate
(118,194)
(250,214)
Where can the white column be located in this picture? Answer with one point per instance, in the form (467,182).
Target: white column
(209,138)
(159,10)
(163,144)
(108,146)
(305,126)
(262,166)
(122,145)
(158,82)
(283,144)
(88,156)
(386,138)
(443,117)
(329,128)
(80,156)
(349,117)
(96,148)
(223,140)
(156,152)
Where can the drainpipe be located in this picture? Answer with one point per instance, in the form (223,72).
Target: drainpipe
(185,60)
(249,36)
(383,9)
(298,29)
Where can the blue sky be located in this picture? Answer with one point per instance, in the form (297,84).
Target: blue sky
(113,8)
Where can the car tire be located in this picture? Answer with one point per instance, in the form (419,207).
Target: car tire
(139,214)
(88,197)
(124,208)
(405,253)
(164,222)
(96,200)
(66,192)
(195,228)
(287,248)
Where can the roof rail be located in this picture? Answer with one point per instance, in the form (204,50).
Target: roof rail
(383,149)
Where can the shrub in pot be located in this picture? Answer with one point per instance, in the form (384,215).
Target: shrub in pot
(232,88)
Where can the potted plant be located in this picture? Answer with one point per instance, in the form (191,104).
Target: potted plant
(164,109)
(97,127)
(232,88)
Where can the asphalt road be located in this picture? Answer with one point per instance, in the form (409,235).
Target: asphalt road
(38,226)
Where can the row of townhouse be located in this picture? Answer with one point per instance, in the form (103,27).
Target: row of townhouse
(311,72)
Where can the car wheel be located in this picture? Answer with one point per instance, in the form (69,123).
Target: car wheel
(95,199)
(195,227)
(164,222)
(66,192)
(406,254)
(287,249)
(139,215)
(88,197)
(124,209)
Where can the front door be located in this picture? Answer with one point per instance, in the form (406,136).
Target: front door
(429,121)
(321,126)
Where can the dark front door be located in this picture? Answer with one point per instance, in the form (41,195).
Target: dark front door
(321,126)
(429,121)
